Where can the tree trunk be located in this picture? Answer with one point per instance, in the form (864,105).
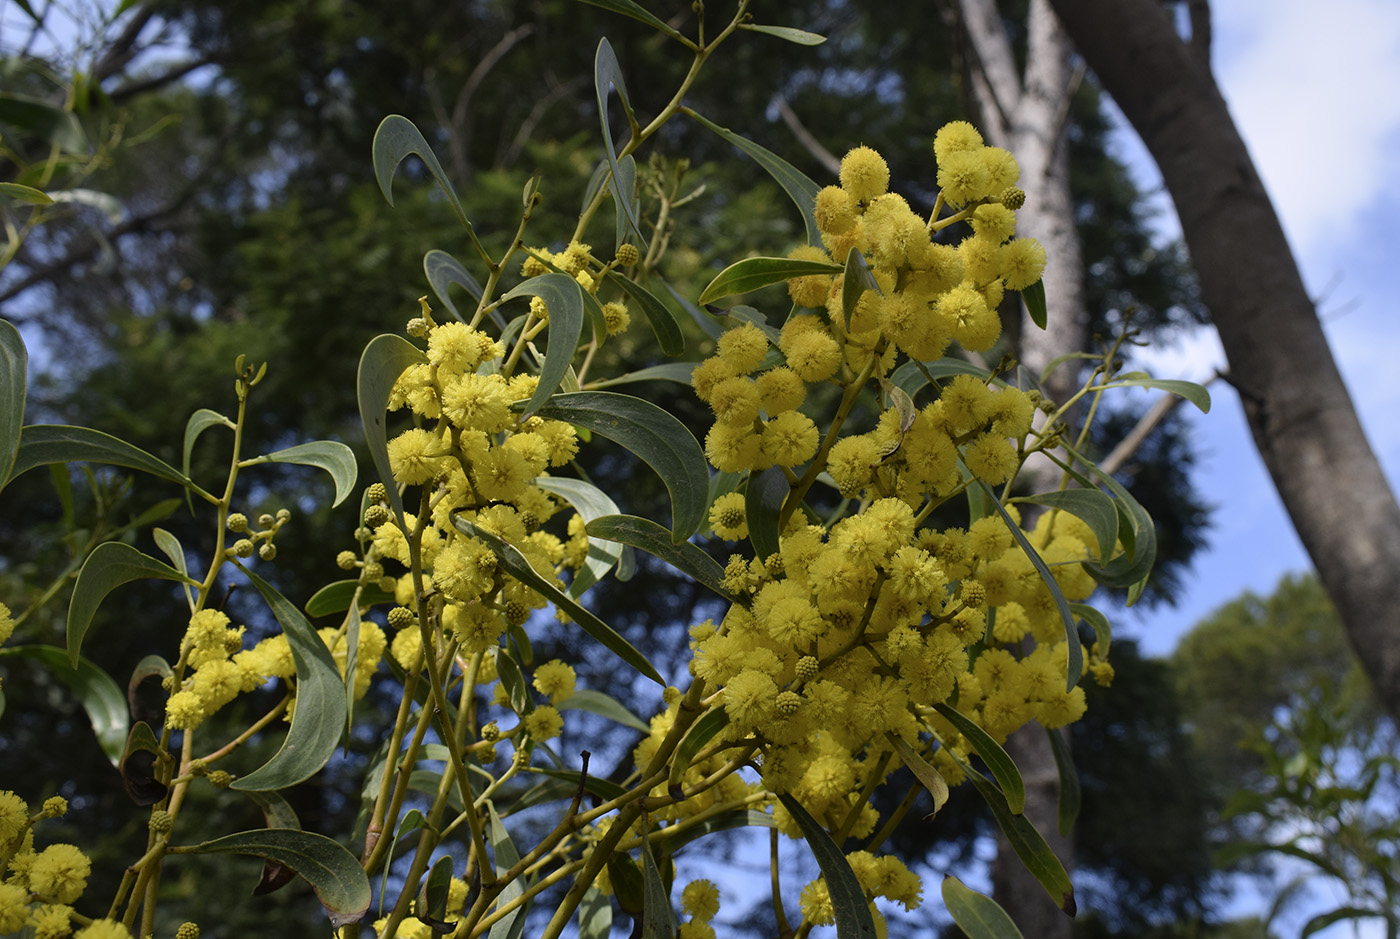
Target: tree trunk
(1298,409)
(1026,115)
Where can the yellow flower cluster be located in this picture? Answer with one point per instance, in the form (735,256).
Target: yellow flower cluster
(41,885)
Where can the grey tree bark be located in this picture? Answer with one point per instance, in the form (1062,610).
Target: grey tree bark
(1299,410)
(1026,114)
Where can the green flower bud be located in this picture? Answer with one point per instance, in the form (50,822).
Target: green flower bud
(266,521)
(160,822)
(491,732)
(345,560)
(243,548)
(220,778)
(268,551)
(237,522)
(401,616)
(376,515)
(627,255)
(187,931)
(377,493)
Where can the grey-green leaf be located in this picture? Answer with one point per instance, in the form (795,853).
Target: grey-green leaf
(514,563)
(383,361)
(856,281)
(853,920)
(798,185)
(394,140)
(505,855)
(1103,635)
(333,872)
(977,915)
(661,441)
(1095,507)
(595,913)
(1196,394)
(109,566)
(998,761)
(562,295)
(753,273)
(763,503)
(696,739)
(799,36)
(608,73)
(658,919)
(596,702)
(1070,793)
(41,444)
(645,535)
(663,322)
(443,270)
(170,546)
(14,370)
(100,696)
(330,455)
(679,372)
(931,778)
(27,194)
(637,12)
(1034,298)
(199,422)
(320,712)
(623,188)
(590,502)
(337,596)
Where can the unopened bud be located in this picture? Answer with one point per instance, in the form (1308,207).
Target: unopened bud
(267,551)
(627,255)
(345,560)
(377,493)
(237,522)
(160,822)
(243,548)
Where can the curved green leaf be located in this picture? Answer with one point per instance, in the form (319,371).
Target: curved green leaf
(199,422)
(27,194)
(443,270)
(394,140)
(914,376)
(853,920)
(855,282)
(564,298)
(638,12)
(109,566)
(1070,793)
(931,778)
(595,912)
(645,535)
(333,872)
(505,856)
(514,563)
(100,696)
(658,919)
(590,502)
(795,183)
(137,766)
(1097,621)
(596,702)
(977,915)
(383,361)
(763,503)
(14,371)
(277,813)
(1196,394)
(41,444)
(1028,843)
(1034,298)
(678,372)
(607,72)
(320,709)
(663,322)
(696,738)
(1075,653)
(799,36)
(336,597)
(1323,920)
(623,188)
(1093,506)
(753,273)
(330,455)
(661,441)
(1013,788)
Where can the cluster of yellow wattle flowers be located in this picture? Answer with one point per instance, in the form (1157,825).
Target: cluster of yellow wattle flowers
(41,886)
(846,638)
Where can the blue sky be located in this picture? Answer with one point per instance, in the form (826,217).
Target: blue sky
(1315,90)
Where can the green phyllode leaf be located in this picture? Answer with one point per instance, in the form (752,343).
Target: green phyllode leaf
(1013,788)
(514,563)
(661,441)
(565,301)
(977,915)
(336,597)
(383,361)
(608,73)
(853,919)
(799,36)
(645,535)
(763,503)
(42,444)
(109,566)
(1196,394)
(658,919)
(330,455)
(333,872)
(1071,795)
(101,697)
(505,855)
(663,322)
(590,502)
(1094,507)
(442,271)
(696,739)
(638,12)
(14,370)
(931,778)
(394,140)
(752,273)
(1034,298)
(604,705)
(320,704)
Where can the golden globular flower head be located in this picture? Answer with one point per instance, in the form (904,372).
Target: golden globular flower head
(616,317)
(727,517)
(864,174)
(955,137)
(59,874)
(555,679)
(743,348)
(835,210)
(810,290)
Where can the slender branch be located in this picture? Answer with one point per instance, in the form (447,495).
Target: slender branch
(825,157)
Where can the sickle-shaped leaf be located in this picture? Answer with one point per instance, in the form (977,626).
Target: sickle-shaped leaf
(1034,298)
(1074,666)
(27,194)
(799,36)
(763,503)
(150,666)
(1103,635)
(505,855)
(137,766)
(14,370)
(645,535)
(590,502)
(663,322)
(330,455)
(1028,843)
(661,441)
(596,702)
(1070,793)
(383,361)
(1093,506)
(753,273)
(641,13)
(658,919)
(199,422)
(931,778)
(277,813)
(853,920)
(41,444)
(443,270)
(679,372)
(998,761)
(100,696)
(564,298)
(394,140)
(1196,394)
(333,872)
(335,597)
(795,183)
(856,281)
(913,376)
(514,563)
(607,72)
(109,566)
(623,188)
(977,915)
(170,546)
(320,711)
(696,738)
(595,912)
